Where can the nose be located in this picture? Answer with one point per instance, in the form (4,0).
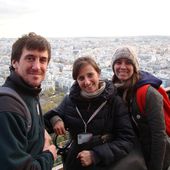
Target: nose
(36,65)
(123,65)
(86,81)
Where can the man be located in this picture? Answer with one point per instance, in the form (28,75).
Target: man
(21,149)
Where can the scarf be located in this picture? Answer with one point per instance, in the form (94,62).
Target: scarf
(102,86)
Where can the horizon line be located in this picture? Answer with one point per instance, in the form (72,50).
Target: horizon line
(64,37)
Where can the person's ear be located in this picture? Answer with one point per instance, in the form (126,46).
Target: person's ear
(14,64)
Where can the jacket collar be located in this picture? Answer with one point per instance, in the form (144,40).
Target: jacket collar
(75,92)
(147,78)
(16,82)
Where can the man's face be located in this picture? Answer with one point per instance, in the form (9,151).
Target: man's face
(32,66)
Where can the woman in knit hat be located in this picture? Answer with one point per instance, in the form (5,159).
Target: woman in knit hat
(151,127)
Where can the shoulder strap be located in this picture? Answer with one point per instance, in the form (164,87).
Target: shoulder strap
(141,97)
(166,103)
(164,94)
(167,89)
(141,102)
(6,91)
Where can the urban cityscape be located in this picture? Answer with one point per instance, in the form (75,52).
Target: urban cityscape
(153,53)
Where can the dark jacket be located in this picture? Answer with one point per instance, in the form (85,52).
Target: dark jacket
(112,119)
(151,128)
(21,149)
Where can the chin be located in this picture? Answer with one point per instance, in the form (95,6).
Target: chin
(90,91)
(123,78)
(34,84)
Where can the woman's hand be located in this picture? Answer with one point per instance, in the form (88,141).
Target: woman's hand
(59,128)
(85,157)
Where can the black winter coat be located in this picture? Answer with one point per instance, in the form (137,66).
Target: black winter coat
(113,119)
(20,149)
(155,143)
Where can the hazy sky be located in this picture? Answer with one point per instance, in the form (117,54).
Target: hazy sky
(84,18)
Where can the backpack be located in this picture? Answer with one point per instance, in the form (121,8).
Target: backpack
(141,99)
(167,89)
(6,91)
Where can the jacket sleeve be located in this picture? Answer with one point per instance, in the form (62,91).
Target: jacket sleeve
(155,118)
(124,136)
(14,143)
(57,112)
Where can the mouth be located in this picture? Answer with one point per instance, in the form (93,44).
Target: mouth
(123,73)
(35,76)
(89,86)
(35,73)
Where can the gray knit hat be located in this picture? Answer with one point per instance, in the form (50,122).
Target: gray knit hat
(128,53)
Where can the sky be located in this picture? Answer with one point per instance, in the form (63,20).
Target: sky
(84,18)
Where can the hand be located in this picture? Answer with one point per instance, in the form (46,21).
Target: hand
(48,145)
(52,149)
(48,139)
(85,157)
(59,128)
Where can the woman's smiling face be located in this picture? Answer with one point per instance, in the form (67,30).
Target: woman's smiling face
(88,79)
(123,69)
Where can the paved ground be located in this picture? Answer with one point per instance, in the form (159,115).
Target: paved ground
(58,167)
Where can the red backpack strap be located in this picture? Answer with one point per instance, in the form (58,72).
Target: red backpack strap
(141,102)
(141,97)
(166,103)
(164,94)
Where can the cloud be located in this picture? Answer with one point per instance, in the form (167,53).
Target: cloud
(11,8)
(70,18)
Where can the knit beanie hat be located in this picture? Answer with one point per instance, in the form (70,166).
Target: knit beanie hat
(127,53)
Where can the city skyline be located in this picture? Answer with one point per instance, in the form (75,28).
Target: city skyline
(84,18)
(153,53)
